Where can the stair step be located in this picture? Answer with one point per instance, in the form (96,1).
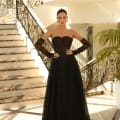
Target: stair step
(14,68)
(16,65)
(11,43)
(30,92)
(26,72)
(13,50)
(15,60)
(11,60)
(12,85)
(15,57)
(10,37)
(19,99)
(8,26)
(22,104)
(18,77)
(8,31)
(28,86)
(14,80)
(11,46)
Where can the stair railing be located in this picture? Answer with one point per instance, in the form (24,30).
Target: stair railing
(32,27)
(96,73)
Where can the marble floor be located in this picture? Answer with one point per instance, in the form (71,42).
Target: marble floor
(101,107)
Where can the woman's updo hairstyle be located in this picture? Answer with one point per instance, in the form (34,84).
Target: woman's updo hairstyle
(61,10)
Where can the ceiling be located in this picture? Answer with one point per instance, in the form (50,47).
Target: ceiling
(74,2)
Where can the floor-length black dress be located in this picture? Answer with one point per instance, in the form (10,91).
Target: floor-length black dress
(65,99)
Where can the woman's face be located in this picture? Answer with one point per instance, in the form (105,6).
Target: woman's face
(62,18)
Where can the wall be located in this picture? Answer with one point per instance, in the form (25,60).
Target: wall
(94,13)
(82,13)
(47,14)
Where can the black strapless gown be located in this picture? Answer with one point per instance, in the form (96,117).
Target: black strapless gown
(65,99)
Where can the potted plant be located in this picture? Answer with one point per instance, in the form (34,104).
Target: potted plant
(110,40)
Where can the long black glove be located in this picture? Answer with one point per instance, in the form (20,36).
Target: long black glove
(85,45)
(38,46)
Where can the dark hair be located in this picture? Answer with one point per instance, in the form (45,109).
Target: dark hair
(61,10)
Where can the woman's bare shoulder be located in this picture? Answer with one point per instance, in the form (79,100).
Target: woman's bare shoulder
(51,30)
(48,34)
(75,34)
(72,30)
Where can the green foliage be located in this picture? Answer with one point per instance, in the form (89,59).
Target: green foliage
(109,37)
(107,51)
(110,40)
(117,75)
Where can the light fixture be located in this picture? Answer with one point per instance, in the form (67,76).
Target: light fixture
(44,1)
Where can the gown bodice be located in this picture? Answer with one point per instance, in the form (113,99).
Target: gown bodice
(60,44)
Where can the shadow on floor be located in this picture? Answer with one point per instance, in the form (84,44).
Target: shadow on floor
(104,115)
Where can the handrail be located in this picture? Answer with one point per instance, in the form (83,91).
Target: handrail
(96,73)
(32,27)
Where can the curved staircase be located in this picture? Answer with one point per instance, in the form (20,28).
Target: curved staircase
(20,81)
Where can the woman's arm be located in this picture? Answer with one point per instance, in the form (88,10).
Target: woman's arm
(39,43)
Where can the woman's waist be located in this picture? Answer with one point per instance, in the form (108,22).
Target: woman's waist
(61,51)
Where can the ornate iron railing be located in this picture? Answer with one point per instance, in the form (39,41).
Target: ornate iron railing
(97,73)
(31,27)
(33,3)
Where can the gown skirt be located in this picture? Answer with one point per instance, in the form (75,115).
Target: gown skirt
(65,98)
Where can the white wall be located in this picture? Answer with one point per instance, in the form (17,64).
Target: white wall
(97,12)
(82,13)
(47,14)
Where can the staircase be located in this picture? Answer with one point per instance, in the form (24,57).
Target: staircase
(20,81)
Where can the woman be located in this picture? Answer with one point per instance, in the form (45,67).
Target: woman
(65,99)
